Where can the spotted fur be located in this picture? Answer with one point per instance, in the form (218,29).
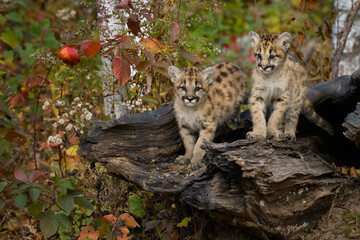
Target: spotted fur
(278,82)
(203,100)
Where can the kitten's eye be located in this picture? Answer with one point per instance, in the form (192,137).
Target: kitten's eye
(259,56)
(271,56)
(197,88)
(183,88)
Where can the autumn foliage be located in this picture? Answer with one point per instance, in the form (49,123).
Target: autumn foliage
(51,90)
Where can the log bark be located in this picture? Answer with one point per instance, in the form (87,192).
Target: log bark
(267,189)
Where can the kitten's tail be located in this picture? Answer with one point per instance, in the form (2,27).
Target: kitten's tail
(312,116)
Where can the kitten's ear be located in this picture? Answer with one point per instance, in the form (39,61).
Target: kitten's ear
(284,40)
(174,73)
(209,74)
(254,38)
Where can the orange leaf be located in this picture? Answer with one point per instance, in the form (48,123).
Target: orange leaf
(309,5)
(88,232)
(19,99)
(109,219)
(68,55)
(121,69)
(152,45)
(307,24)
(301,36)
(128,220)
(90,48)
(124,231)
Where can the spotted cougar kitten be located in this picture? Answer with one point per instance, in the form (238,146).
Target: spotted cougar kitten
(203,100)
(278,82)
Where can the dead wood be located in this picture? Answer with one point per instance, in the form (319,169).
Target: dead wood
(267,189)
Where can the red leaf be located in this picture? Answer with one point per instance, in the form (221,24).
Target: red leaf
(20,174)
(121,69)
(146,14)
(133,24)
(16,136)
(175,32)
(68,55)
(125,4)
(131,56)
(36,78)
(149,56)
(90,48)
(35,175)
(73,139)
(19,99)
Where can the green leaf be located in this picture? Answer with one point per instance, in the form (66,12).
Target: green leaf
(50,41)
(45,23)
(20,201)
(137,205)
(34,193)
(2,19)
(184,222)
(9,55)
(14,16)
(35,29)
(10,38)
(35,208)
(84,202)
(48,223)
(3,185)
(74,192)
(66,203)
(63,220)
(150,99)
(4,146)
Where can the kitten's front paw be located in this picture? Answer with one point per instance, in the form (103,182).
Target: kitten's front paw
(195,164)
(182,160)
(276,135)
(252,136)
(289,137)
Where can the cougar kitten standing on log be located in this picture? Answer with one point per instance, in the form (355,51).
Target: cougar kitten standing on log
(278,81)
(203,100)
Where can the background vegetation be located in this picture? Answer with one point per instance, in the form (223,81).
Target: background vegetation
(51,90)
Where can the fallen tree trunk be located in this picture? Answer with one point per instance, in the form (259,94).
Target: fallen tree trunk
(267,189)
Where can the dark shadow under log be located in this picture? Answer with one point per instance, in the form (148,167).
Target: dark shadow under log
(267,189)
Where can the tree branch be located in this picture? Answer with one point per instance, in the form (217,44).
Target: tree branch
(343,38)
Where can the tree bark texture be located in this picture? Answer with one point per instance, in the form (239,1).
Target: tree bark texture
(109,27)
(266,189)
(346,34)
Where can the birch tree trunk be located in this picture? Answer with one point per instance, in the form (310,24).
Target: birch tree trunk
(350,59)
(109,27)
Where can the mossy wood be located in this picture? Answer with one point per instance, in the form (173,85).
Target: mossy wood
(266,189)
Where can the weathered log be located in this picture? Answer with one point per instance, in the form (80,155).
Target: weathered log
(269,189)
(352,126)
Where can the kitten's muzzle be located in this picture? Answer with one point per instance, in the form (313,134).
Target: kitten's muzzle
(190,100)
(267,68)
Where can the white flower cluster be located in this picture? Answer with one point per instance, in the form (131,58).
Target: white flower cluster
(135,106)
(46,104)
(71,117)
(54,139)
(66,14)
